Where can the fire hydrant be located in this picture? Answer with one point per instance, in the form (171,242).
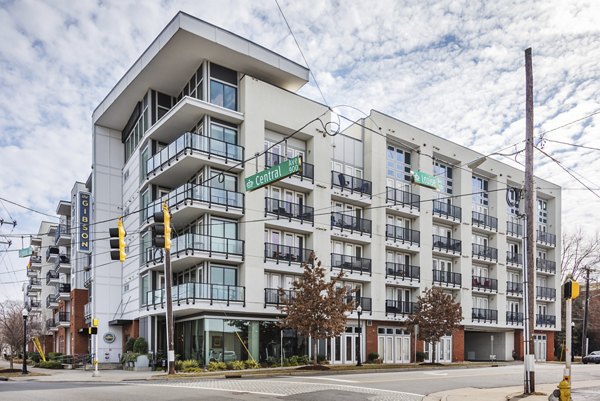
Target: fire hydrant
(565,389)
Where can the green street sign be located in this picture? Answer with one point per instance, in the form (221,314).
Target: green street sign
(426,180)
(275,173)
(23,253)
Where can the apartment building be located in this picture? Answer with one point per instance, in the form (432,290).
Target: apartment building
(194,116)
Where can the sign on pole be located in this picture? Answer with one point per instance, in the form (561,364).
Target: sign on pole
(275,173)
(426,180)
(25,252)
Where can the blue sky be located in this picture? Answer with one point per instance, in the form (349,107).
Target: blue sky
(453,68)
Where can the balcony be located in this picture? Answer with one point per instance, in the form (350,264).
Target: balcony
(402,235)
(32,273)
(515,259)
(445,244)
(52,277)
(484,284)
(399,271)
(275,298)
(51,324)
(447,278)
(190,201)
(64,291)
(35,285)
(546,239)
(398,197)
(514,229)
(485,253)
(545,293)
(35,305)
(484,315)
(447,211)
(286,254)
(62,319)
(346,222)
(396,308)
(289,210)
(545,320)
(514,288)
(52,253)
(62,236)
(87,310)
(545,266)
(189,152)
(352,264)
(52,301)
(366,303)
(35,263)
(514,318)
(87,278)
(62,264)
(190,293)
(354,185)
(308,170)
(484,221)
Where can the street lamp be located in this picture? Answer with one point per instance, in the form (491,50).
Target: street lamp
(359,312)
(25,314)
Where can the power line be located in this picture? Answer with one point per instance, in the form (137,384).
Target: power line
(571,144)
(567,124)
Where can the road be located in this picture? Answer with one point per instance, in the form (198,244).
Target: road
(378,386)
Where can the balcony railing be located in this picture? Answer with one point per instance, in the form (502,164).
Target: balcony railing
(286,253)
(52,252)
(308,170)
(50,323)
(353,264)
(350,223)
(366,303)
(544,237)
(484,252)
(349,183)
(485,315)
(514,229)
(36,259)
(87,278)
(63,288)
(393,307)
(402,272)
(273,296)
(485,221)
(62,317)
(51,299)
(35,281)
(514,317)
(35,304)
(545,292)
(191,292)
(447,244)
(514,288)
(514,258)
(441,276)
(87,310)
(401,234)
(404,198)
(191,143)
(545,320)
(190,243)
(545,265)
(289,210)
(51,275)
(447,210)
(62,230)
(485,283)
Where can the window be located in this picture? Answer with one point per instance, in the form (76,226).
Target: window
(145,156)
(542,210)
(223,228)
(222,132)
(144,288)
(347,156)
(444,172)
(194,86)
(144,202)
(223,275)
(442,265)
(480,194)
(223,87)
(398,165)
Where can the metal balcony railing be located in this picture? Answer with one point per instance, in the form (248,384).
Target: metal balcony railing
(87,278)
(349,183)
(354,264)
(485,283)
(51,299)
(52,252)
(289,210)
(35,304)
(63,288)
(62,317)
(50,323)
(191,143)
(51,275)
(393,307)
(545,292)
(485,315)
(514,258)
(308,170)
(514,317)
(514,288)
(484,252)
(401,234)
(87,310)
(485,221)
(351,223)
(274,297)
(192,292)
(366,303)
(402,272)
(62,230)
(447,210)
(545,320)
(514,229)
(544,237)
(441,276)
(190,243)
(35,281)
(545,265)
(447,244)
(286,253)
(36,259)
(404,198)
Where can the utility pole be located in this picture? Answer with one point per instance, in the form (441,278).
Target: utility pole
(585,313)
(529,229)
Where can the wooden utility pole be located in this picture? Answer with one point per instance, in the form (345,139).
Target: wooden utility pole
(584,349)
(529,222)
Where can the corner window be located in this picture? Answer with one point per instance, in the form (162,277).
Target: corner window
(223,87)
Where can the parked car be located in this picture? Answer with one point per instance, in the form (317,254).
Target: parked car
(593,357)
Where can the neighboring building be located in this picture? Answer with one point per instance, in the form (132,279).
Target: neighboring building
(178,127)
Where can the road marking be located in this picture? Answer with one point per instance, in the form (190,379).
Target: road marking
(356,387)
(210,388)
(334,380)
(435,374)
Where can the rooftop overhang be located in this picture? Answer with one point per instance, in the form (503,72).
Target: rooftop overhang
(63,208)
(178,51)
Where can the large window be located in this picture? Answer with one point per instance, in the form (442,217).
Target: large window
(223,275)
(223,87)
(398,162)
(194,86)
(480,195)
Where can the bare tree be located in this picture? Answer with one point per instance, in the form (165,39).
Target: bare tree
(11,327)
(579,251)
(317,306)
(436,314)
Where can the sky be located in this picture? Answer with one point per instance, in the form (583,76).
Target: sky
(453,68)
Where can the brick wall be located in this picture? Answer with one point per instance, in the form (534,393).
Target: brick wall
(79,341)
(458,345)
(130,330)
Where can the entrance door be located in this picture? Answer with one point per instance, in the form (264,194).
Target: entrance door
(540,347)
(443,350)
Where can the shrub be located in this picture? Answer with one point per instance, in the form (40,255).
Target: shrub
(35,357)
(140,346)
(421,356)
(214,366)
(54,356)
(251,364)
(129,344)
(189,365)
(51,364)
(238,365)
(129,357)
(321,358)
(372,356)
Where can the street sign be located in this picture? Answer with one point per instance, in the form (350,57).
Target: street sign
(23,253)
(426,180)
(275,173)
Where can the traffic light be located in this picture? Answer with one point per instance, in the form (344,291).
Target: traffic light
(117,242)
(570,290)
(161,231)
(92,330)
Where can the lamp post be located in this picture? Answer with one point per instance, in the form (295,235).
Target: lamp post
(359,312)
(25,314)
